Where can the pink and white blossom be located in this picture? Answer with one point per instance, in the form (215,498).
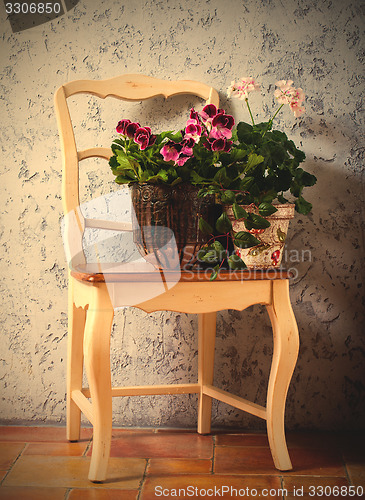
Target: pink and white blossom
(242,88)
(286,93)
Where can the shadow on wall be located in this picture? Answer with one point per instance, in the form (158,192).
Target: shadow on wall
(23,16)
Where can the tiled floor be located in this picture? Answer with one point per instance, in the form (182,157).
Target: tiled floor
(37,463)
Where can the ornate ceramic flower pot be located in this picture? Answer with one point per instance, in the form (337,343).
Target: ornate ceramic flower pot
(162,211)
(269,252)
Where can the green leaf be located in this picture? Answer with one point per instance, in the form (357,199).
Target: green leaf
(124,161)
(223,224)
(204,227)
(242,239)
(302,206)
(222,178)
(267,209)
(228,196)
(214,273)
(217,245)
(238,211)
(235,262)
(245,183)
(120,179)
(210,256)
(253,160)
(255,221)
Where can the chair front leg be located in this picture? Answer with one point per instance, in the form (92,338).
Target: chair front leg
(286,347)
(99,320)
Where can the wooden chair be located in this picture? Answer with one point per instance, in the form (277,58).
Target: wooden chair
(96,290)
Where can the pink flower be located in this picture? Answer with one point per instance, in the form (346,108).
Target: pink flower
(287,94)
(143,137)
(122,124)
(193,131)
(243,88)
(187,146)
(170,151)
(181,160)
(222,125)
(297,109)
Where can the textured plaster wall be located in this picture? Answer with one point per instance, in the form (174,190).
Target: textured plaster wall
(317,44)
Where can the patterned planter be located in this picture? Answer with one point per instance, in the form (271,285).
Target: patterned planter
(162,211)
(269,252)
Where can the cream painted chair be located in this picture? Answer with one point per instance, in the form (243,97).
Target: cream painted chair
(96,289)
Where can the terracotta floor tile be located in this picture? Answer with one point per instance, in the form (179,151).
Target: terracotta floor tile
(164,486)
(162,445)
(356,474)
(3,474)
(72,472)
(94,494)
(26,493)
(255,460)
(162,466)
(241,440)
(299,483)
(39,434)
(57,449)
(8,453)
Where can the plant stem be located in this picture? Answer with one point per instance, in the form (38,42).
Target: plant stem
(270,122)
(249,110)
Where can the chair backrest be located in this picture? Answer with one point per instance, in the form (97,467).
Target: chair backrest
(129,87)
(125,87)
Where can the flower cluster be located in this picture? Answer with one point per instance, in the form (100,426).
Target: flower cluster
(242,88)
(287,94)
(141,135)
(212,126)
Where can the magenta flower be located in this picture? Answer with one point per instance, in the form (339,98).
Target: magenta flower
(170,151)
(143,137)
(182,160)
(194,117)
(131,129)
(122,124)
(218,145)
(208,112)
(187,146)
(221,145)
(222,125)
(193,131)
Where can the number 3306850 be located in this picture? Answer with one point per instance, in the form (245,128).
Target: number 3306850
(33,8)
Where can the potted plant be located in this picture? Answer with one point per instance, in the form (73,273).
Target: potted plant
(166,172)
(256,205)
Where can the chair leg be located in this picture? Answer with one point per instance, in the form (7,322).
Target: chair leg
(286,346)
(76,322)
(207,331)
(97,363)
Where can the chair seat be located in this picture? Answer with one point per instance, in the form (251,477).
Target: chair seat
(114,273)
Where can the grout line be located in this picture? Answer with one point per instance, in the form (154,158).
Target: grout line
(13,463)
(213,457)
(143,479)
(67,494)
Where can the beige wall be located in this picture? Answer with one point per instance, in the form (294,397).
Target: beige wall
(318,45)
